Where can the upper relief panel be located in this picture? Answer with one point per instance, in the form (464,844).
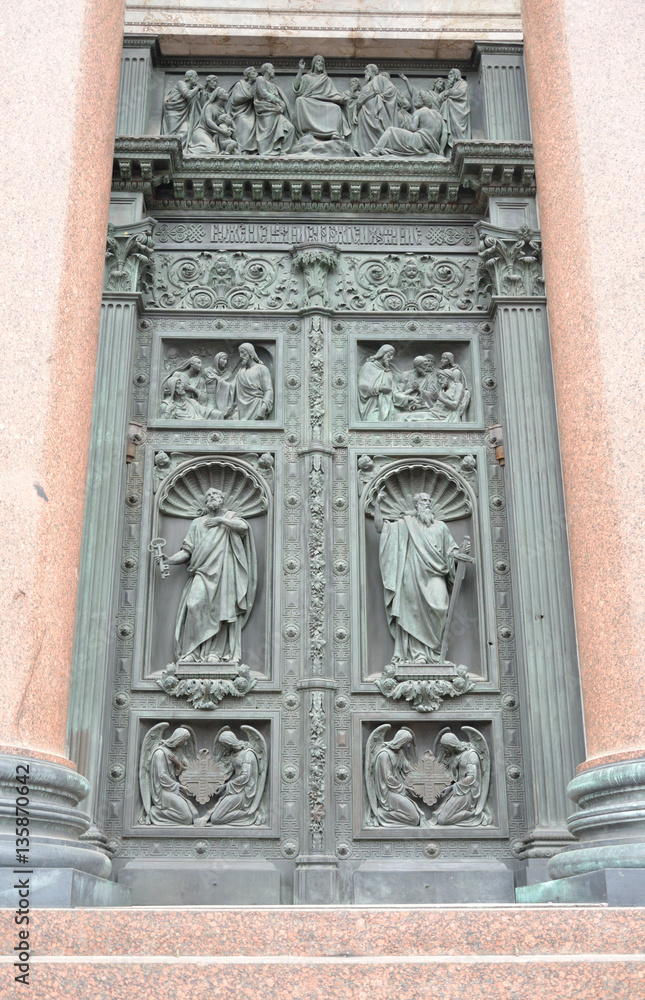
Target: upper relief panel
(323,130)
(313,113)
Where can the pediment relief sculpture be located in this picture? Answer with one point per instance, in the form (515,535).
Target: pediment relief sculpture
(312,117)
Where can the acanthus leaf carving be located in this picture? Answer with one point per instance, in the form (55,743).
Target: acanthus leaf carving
(222,280)
(206,692)
(407,282)
(421,687)
(510,262)
(129,257)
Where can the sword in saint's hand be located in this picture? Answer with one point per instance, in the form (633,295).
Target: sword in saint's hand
(462,556)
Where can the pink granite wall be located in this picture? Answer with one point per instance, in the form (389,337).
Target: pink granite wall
(586,77)
(58,91)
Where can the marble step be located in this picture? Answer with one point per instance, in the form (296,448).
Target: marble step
(324,953)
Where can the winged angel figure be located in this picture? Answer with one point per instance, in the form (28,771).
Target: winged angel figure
(161,764)
(464,801)
(245,762)
(387,763)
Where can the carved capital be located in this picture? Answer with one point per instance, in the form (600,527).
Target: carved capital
(129,257)
(510,261)
(315,260)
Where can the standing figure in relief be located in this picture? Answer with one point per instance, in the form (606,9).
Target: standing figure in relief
(241,108)
(464,801)
(218,597)
(350,99)
(417,556)
(376,384)
(376,109)
(455,107)
(386,767)
(164,799)
(182,108)
(240,796)
(220,385)
(425,135)
(318,110)
(275,133)
(253,387)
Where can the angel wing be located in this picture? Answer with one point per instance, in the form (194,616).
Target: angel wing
(259,747)
(440,752)
(374,744)
(151,741)
(480,745)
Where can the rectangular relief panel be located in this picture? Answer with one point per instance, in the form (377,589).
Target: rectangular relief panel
(428,778)
(203,776)
(212,381)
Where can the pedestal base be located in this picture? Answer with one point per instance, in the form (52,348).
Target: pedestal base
(315,881)
(56,888)
(411,882)
(201,883)
(612,886)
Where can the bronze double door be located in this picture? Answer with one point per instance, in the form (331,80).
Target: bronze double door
(314,669)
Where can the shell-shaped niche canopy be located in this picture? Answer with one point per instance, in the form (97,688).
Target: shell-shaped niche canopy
(401,482)
(245,492)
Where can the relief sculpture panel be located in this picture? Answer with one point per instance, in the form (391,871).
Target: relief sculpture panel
(314,114)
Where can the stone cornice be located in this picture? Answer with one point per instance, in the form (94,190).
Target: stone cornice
(156,166)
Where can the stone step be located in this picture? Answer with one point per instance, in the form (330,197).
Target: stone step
(325,953)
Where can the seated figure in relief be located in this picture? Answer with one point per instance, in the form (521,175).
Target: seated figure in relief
(426,134)
(418,389)
(253,387)
(376,109)
(241,108)
(214,131)
(454,396)
(275,133)
(319,106)
(179,402)
(377,382)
